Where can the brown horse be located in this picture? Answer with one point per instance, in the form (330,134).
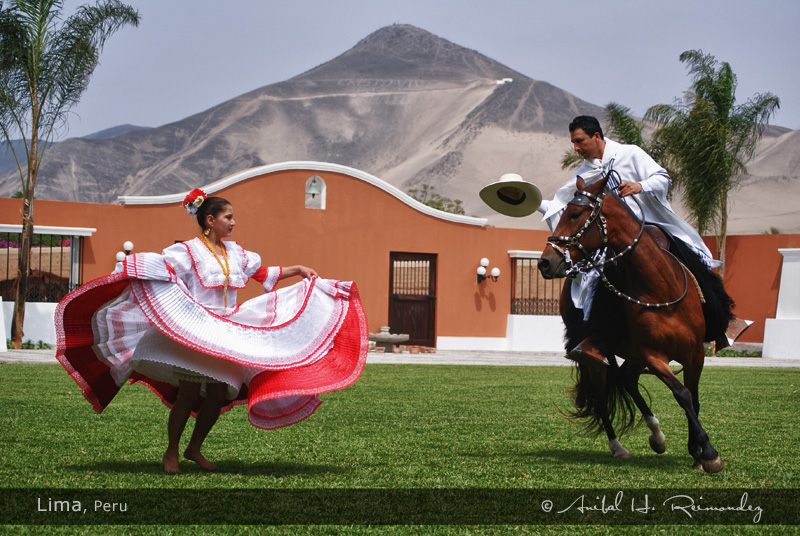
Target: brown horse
(648,308)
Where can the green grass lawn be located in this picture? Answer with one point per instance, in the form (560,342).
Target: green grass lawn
(400,427)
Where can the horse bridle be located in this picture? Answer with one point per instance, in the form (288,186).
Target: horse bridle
(584,198)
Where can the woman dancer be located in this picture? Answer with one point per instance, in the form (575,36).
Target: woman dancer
(171,322)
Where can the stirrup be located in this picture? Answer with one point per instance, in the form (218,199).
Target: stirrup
(736,327)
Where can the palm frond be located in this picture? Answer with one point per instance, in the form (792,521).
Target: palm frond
(622,126)
(707,138)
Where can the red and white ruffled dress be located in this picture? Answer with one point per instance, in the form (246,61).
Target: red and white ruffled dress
(161,318)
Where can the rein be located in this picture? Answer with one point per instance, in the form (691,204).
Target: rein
(584,198)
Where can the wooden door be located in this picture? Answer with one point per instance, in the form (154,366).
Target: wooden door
(412,296)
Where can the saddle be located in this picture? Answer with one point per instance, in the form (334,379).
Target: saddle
(736,326)
(658,235)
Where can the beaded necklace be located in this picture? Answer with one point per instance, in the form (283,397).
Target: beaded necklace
(225,268)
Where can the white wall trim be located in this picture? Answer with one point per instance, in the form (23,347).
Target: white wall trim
(522,254)
(782,333)
(311,166)
(38,324)
(524,333)
(790,254)
(482,344)
(535,333)
(3,333)
(49,229)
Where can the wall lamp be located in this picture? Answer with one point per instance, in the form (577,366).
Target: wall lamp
(494,274)
(128,247)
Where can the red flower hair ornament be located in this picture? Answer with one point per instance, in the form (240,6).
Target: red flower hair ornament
(193,200)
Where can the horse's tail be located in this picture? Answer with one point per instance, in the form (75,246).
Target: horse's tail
(588,401)
(718,306)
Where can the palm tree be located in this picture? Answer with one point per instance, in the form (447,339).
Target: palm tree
(708,138)
(45,66)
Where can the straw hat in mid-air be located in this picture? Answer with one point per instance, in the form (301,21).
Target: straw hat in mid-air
(512,196)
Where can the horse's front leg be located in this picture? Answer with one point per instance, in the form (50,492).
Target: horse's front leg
(656,439)
(699,445)
(598,377)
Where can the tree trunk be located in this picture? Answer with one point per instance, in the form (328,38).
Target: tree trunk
(20,287)
(723,231)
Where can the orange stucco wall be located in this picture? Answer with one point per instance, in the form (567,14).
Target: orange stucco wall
(753,276)
(352,238)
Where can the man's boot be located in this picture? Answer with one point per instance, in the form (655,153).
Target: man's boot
(587,354)
(736,327)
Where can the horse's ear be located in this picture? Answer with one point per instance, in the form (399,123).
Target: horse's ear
(580,184)
(602,182)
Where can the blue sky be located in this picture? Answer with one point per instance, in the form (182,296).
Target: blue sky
(189,55)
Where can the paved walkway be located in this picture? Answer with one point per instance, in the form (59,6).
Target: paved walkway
(457,357)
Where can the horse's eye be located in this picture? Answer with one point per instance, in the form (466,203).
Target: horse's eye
(575,215)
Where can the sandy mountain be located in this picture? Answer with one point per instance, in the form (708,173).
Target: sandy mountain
(403,104)
(769,196)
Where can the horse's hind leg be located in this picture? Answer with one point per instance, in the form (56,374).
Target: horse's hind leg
(656,438)
(691,379)
(699,445)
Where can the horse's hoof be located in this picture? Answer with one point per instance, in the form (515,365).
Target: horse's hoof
(617,450)
(712,466)
(620,452)
(697,466)
(657,440)
(658,444)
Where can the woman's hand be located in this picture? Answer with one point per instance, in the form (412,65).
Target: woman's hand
(306,272)
(303,271)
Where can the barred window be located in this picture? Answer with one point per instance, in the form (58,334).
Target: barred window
(532,294)
(55,264)
(411,277)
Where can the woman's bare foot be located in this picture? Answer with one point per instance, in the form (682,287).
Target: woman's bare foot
(170,462)
(199,459)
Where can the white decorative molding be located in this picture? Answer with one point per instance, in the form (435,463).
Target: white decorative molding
(49,229)
(39,321)
(475,344)
(522,254)
(3,333)
(782,333)
(524,333)
(535,333)
(789,290)
(311,166)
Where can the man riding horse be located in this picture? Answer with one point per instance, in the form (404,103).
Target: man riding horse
(659,298)
(632,172)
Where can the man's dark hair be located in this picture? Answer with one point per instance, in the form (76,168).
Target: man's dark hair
(212,206)
(588,124)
